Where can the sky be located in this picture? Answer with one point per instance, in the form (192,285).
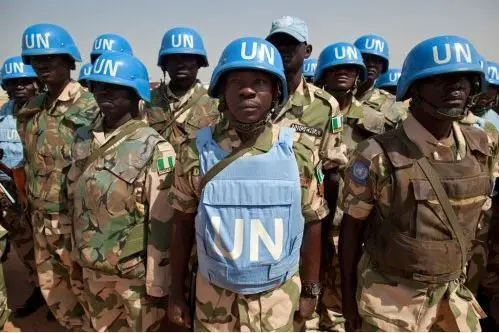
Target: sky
(403,23)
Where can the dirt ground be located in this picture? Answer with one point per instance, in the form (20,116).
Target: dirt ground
(18,291)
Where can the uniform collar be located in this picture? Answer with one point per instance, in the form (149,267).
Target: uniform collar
(69,91)
(98,130)
(425,141)
(185,97)
(301,96)
(223,128)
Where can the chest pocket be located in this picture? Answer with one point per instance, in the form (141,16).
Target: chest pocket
(467,196)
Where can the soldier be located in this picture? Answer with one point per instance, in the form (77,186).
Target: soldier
(20,80)
(485,103)
(388,81)
(315,116)
(85,71)
(339,71)
(116,180)
(375,53)
(49,122)
(181,107)
(417,192)
(109,43)
(309,66)
(229,174)
(4,307)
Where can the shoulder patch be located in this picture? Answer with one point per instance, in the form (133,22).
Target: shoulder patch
(336,124)
(165,164)
(360,172)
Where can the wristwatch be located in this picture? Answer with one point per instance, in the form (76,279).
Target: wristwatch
(311,289)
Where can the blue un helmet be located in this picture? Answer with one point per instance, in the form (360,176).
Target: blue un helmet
(374,45)
(309,67)
(124,70)
(85,71)
(109,43)
(340,54)
(492,76)
(389,79)
(47,39)
(182,40)
(437,56)
(249,53)
(15,68)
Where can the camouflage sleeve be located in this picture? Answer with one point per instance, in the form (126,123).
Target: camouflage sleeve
(184,194)
(333,150)
(364,178)
(493,139)
(158,181)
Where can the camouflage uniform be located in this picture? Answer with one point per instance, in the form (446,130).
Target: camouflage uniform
(16,222)
(118,198)
(4,307)
(194,110)
(489,288)
(383,101)
(310,111)
(478,263)
(391,302)
(221,310)
(48,134)
(361,122)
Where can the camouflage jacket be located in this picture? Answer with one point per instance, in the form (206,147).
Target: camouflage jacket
(381,100)
(48,132)
(118,198)
(178,118)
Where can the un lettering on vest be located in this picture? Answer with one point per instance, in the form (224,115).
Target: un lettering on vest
(258,235)
(9,135)
(39,41)
(375,44)
(258,51)
(13,67)
(457,52)
(103,44)
(183,40)
(106,67)
(346,52)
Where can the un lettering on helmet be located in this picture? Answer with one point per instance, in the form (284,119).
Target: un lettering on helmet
(13,67)
(258,50)
(461,52)
(257,232)
(310,67)
(346,52)
(106,67)
(103,44)
(37,40)
(375,44)
(394,76)
(183,40)
(493,73)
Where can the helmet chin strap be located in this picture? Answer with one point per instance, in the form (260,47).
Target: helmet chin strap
(443,113)
(482,110)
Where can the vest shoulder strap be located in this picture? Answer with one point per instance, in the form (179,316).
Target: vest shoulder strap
(476,139)
(203,136)
(286,136)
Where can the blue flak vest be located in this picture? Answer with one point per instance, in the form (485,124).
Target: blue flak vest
(249,225)
(10,141)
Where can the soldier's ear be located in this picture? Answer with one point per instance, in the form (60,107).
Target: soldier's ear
(308,51)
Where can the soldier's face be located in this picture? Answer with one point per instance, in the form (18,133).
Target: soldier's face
(114,101)
(374,66)
(292,51)
(249,95)
(446,91)
(51,69)
(340,78)
(488,98)
(21,89)
(182,67)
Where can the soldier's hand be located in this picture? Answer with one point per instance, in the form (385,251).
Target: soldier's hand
(306,308)
(179,312)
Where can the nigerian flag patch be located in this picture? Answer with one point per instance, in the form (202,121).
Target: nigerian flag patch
(337,124)
(165,164)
